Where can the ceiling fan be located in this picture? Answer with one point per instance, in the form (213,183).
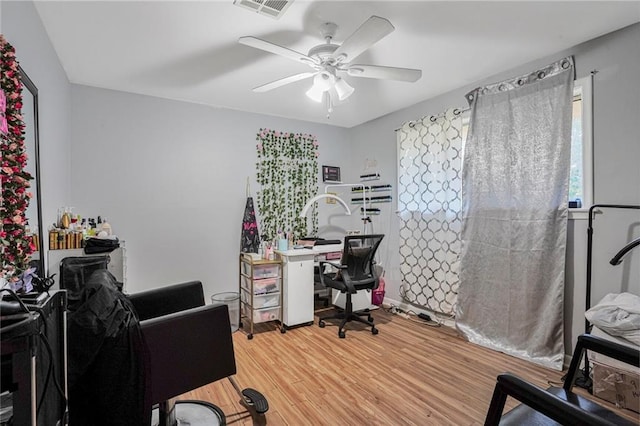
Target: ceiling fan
(329,61)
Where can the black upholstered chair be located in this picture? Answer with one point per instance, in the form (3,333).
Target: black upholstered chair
(355,272)
(558,405)
(189,345)
(188,350)
(130,353)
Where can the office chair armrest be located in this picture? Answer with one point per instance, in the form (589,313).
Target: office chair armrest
(539,400)
(622,353)
(341,268)
(321,266)
(322,263)
(167,300)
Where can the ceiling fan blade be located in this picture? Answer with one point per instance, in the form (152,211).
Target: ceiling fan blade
(373,30)
(283,81)
(278,50)
(386,73)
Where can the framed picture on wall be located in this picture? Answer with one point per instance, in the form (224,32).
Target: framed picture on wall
(331,174)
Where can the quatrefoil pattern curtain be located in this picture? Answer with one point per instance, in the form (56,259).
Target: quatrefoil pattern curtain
(429,204)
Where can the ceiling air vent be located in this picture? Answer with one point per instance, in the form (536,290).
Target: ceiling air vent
(272,8)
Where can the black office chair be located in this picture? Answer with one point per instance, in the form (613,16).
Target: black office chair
(320,292)
(355,272)
(558,405)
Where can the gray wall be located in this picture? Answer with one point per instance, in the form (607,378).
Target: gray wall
(617,170)
(22,28)
(170,177)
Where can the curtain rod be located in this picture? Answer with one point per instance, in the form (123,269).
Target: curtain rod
(434,117)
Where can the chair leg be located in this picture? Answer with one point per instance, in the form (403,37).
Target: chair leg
(348,315)
(496,406)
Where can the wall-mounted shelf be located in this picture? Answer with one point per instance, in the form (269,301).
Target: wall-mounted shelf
(373,211)
(373,188)
(369,177)
(372,200)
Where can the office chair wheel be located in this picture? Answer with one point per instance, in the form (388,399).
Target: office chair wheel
(321,324)
(374,330)
(250,336)
(369,318)
(283,330)
(342,334)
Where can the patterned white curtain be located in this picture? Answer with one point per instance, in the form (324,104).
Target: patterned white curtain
(515,185)
(429,204)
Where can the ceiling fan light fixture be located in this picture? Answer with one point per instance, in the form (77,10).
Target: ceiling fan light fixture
(343,89)
(324,81)
(315,93)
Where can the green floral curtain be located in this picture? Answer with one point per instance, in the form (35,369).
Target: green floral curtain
(287,170)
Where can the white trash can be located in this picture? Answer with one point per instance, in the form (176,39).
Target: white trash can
(232,300)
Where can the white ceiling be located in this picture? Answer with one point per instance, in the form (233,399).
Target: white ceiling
(189,50)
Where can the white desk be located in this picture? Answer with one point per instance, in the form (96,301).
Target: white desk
(297,285)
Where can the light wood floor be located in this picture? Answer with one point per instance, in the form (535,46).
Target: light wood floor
(408,374)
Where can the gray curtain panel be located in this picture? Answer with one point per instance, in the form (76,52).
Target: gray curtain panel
(515,184)
(429,206)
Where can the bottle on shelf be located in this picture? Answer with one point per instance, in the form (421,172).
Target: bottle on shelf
(65,220)
(106,227)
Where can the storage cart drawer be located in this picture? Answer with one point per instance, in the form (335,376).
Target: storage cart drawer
(262,315)
(262,286)
(270,300)
(262,271)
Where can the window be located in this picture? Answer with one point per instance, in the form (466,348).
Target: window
(581,173)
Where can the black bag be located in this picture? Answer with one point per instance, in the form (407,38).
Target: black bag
(100,245)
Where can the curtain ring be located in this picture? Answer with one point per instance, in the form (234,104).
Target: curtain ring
(456,111)
(412,124)
(502,87)
(433,118)
(565,64)
(520,82)
(541,74)
(470,96)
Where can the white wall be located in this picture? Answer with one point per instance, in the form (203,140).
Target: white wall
(617,167)
(22,28)
(170,178)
